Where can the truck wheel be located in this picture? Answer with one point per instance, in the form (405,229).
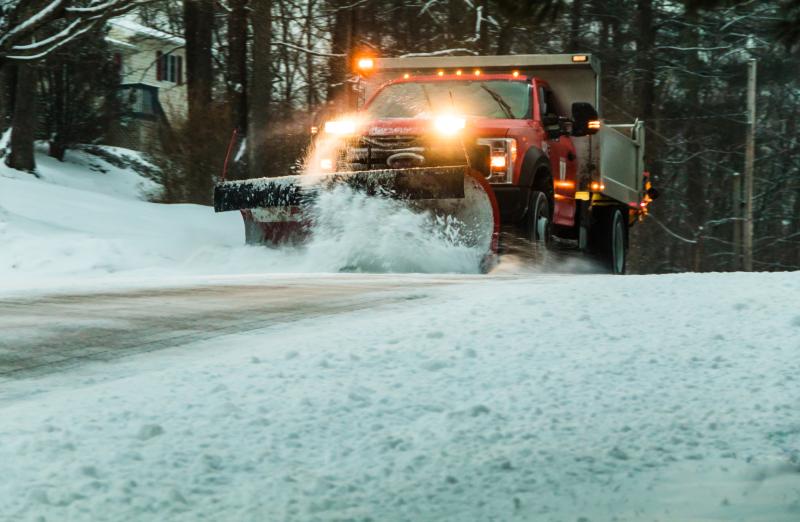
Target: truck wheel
(619,242)
(608,239)
(538,228)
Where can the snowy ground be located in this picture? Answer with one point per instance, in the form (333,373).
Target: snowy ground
(513,396)
(523,399)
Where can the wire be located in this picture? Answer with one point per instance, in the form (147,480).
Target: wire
(670,232)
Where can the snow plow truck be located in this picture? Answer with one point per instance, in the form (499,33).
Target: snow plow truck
(483,141)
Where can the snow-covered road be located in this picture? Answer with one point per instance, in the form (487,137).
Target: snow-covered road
(519,397)
(46,333)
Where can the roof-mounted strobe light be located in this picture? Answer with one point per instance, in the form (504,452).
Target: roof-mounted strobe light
(580,58)
(365,64)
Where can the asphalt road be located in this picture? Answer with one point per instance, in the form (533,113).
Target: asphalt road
(46,334)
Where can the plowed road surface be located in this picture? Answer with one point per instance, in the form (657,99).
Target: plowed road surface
(48,333)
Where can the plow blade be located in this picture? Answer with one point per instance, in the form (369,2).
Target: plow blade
(295,191)
(280,210)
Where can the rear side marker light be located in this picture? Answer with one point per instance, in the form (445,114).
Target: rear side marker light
(580,58)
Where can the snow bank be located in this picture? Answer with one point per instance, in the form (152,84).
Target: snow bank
(86,219)
(552,398)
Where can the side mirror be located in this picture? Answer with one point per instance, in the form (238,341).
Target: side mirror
(552,126)
(585,120)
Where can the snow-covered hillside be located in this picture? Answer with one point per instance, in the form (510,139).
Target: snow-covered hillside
(86,218)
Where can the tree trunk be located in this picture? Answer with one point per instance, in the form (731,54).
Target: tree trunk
(456,23)
(575,26)
(56,139)
(261,91)
(237,63)
(342,41)
(504,38)
(23,121)
(285,60)
(199,26)
(8,86)
(695,170)
(311,87)
(645,42)
(483,33)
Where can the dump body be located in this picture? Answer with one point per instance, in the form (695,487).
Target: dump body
(620,149)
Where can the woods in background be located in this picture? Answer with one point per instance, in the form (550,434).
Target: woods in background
(269,67)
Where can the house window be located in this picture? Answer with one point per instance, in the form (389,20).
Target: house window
(169,68)
(140,100)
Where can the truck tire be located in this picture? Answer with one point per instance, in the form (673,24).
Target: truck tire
(538,226)
(609,239)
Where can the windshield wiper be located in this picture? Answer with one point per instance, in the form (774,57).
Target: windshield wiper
(427,98)
(500,101)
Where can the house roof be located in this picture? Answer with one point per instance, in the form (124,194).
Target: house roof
(141,30)
(119,43)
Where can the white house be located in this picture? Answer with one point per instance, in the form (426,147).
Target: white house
(152,66)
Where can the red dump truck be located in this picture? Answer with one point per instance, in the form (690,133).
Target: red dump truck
(511,142)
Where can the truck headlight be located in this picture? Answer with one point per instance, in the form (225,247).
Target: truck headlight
(498,161)
(502,157)
(449,125)
(340,127)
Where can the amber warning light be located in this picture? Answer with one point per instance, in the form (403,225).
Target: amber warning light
(365,64)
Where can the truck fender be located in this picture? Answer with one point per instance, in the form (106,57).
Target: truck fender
(534,161)
(535,172)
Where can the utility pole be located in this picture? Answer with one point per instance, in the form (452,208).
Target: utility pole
(749,156)
(737,220)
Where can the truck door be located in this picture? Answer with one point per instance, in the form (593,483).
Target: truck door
(562,161)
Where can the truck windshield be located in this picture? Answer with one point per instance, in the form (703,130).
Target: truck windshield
(486,98)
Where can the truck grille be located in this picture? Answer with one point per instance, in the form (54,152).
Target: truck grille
(373,153)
